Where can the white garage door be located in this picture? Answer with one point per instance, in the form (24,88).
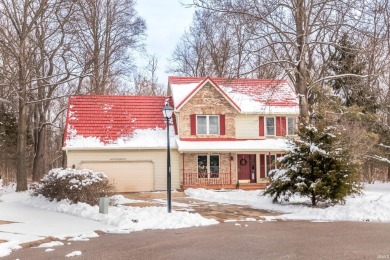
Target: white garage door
(126,176)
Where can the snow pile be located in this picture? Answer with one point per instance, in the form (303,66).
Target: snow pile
(51,244)
(140,138)
(7,247)
(372,205)
(74,253)
(124,219)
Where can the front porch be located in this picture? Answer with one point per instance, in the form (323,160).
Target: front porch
(224,171)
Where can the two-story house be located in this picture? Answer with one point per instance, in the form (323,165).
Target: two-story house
(224,131)
(231,130)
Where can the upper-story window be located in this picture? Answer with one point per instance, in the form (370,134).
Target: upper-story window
(207,124)
(291,126)
(270,125)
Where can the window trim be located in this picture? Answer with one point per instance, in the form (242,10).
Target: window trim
(267,164)
(208,124)
(266,128)
(208,173)
(295,126)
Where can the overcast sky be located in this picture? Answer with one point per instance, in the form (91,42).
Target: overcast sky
(166,21)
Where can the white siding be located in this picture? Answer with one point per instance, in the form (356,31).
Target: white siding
(157,157)
(247,127)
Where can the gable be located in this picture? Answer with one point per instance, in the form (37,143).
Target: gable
(208,100)
(249,95)
(185,94)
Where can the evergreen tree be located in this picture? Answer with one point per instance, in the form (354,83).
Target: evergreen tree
(316,166)
(8,136)
(354,90)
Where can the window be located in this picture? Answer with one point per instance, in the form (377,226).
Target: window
(270,162)
(202,166)
(208,166)
(207,125)
(291,126)
(270,125)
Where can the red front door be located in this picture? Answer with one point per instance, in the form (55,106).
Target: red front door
(246,167)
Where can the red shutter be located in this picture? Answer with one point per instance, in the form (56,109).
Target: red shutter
(193,124)
(278,126)
(262,166)
(283,126)
(261,126)
(222,125)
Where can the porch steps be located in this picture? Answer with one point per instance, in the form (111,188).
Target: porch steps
(243,186)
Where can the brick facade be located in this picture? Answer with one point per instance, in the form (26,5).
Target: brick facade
(208,101)
(226,165)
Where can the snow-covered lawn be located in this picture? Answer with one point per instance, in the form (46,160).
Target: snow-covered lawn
(372,205)
(36,218)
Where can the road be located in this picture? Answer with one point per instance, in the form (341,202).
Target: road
(239,240)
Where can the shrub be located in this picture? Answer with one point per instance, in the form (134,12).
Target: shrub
(75,185)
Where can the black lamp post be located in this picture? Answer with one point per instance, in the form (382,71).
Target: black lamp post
(167,111)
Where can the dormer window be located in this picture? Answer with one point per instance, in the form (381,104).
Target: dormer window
(207,124)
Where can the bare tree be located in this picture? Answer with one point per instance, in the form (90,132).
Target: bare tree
(19,18)
(146,81)
(293,35)
(52,73)
(215,45)
(105,33)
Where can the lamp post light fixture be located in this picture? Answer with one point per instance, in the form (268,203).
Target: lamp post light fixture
(167,112)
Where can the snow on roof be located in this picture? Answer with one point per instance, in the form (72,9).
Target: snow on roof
(120,121)
(251,95)
(268,145)
(140,138)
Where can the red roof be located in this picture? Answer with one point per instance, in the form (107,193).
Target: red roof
(269,92)
(110,117)
(225,81)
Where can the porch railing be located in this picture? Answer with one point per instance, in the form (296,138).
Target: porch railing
(200,179)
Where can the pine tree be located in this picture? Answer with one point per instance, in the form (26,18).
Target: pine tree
(354,90)
(316,166)
(8,136)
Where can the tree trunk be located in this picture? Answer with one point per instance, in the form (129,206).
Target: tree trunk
(301,71)
(369,173)
(313,199)
(39,167)
(21,174)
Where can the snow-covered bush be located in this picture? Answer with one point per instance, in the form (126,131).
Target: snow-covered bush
(75,185)
(317,166)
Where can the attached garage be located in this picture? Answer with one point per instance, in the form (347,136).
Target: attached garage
(123,136)
(130,170)
(126,176)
